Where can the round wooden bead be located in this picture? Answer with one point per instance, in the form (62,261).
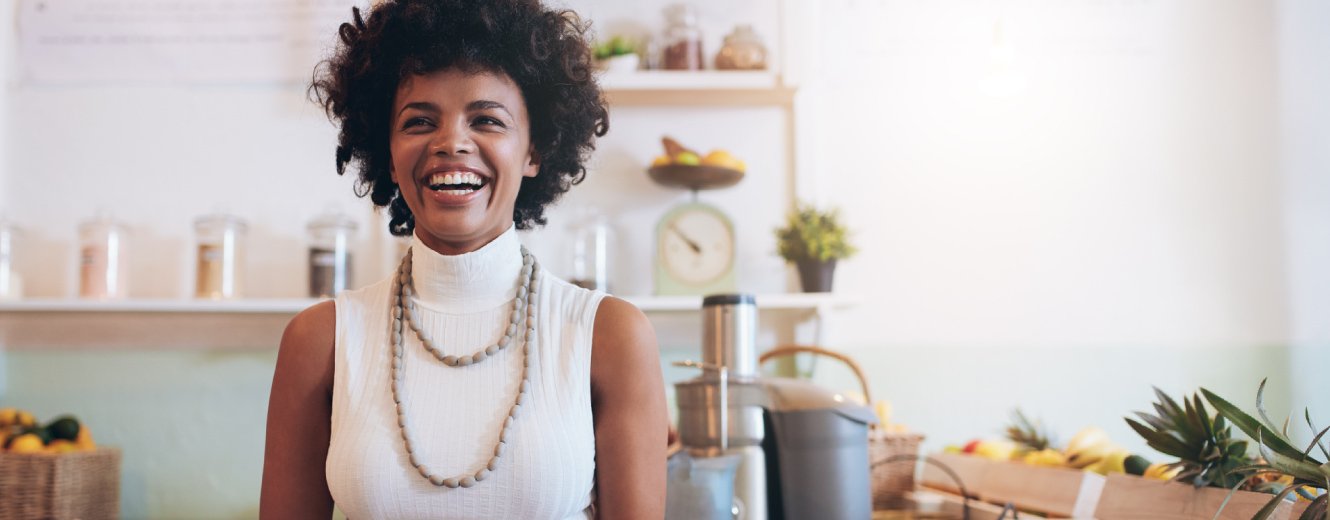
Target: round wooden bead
(466,482)
(424,470)
(411,457)
(492,350)
(478,357)
(482,474)
(507,422)
(526,386)
(513,413)
(500,448)
(450,360)
(450,483)
(521,398)
(503,342)
(463,361)
(521,293)
(493,464)
(436,480)
(397,362)
(512,329)
(515,317)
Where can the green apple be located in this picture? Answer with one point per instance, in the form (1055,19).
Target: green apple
(687,158)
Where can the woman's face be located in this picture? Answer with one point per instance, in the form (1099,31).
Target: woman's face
(460,144)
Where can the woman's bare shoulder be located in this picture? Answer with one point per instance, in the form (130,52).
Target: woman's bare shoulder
(307,345)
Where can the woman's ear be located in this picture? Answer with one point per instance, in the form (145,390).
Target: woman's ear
(533,163)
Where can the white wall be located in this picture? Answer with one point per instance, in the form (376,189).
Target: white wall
(1114,225)
(1304,110)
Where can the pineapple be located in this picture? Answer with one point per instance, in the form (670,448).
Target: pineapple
(1207,452)
(1028,435)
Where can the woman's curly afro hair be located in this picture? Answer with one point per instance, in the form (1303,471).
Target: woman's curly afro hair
(544,52)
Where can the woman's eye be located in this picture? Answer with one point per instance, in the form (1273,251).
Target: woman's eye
(415,122)
(488,121)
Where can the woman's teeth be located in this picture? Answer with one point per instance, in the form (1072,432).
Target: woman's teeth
(455,183)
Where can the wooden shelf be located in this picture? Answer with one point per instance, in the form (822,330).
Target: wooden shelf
(706,87)
(39,324)
(291,306)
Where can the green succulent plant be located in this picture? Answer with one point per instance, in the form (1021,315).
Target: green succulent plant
(615,46)
(813,234)
(1281,456)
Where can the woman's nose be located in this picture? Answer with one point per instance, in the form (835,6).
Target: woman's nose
(452,140)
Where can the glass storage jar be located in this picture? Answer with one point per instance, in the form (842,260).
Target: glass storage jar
(330,254)
(219,271)
(742,50)
(103,259)
(683,39)
(592,239)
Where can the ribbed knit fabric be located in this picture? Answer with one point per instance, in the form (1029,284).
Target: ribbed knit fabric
(456,413)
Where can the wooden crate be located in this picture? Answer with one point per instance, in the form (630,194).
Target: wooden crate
(1135,498)
(1059,492)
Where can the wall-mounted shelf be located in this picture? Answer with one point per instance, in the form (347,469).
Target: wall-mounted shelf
(252,323)
(706,87)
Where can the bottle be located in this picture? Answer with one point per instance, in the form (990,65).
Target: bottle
(11,284)
(219,268)
(592,240)
(330,254)
(103,259)
(742,50)
(683,39)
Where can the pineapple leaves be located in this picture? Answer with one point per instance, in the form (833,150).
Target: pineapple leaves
(1306,412)
(1260,409)
(1252,427)
(1273,504)
(1293,466)
(1316,441)
(1161,441)
(1316,509)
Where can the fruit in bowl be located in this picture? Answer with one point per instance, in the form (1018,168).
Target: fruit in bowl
(682,167)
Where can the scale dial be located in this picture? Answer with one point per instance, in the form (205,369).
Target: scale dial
(695,250)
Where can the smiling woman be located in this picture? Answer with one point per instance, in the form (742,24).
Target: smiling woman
(471,384)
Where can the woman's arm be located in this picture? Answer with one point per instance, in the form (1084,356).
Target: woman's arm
(299,420)
(628,402)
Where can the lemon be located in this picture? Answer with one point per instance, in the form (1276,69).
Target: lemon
(27,443)
(661,160)
(8,417)
(84,440)
(723,159)
(25,419)
(61,446)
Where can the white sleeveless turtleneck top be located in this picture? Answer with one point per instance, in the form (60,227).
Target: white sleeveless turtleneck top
(456,413)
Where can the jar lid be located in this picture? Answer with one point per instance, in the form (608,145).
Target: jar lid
(220,220)
(102,221)
(331,220)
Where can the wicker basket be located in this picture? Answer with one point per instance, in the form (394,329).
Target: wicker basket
(77,485)
(892,456)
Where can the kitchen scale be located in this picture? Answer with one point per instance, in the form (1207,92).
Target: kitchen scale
(695,242)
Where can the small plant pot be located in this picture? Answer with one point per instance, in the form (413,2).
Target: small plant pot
(815,276)
(620,64)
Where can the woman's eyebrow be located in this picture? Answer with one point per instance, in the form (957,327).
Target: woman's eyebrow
(419,105)
(482,104)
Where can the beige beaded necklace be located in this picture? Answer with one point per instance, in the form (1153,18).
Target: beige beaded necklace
(404,310)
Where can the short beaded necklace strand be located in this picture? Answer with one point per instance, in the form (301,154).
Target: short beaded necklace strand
(404,310)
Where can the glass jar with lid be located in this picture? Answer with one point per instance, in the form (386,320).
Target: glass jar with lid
(593,238)
(742,50)
(683,39)
(103,259)
(219,271)
(11,283)
(330,254)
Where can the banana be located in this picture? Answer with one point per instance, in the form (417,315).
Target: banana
(1161,471)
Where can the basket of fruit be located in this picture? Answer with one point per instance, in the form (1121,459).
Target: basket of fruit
(892,450)
(681,167)
(55,471)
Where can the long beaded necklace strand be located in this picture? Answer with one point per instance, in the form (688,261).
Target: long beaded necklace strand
(404,310)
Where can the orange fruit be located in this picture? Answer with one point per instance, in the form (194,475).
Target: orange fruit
(27,443)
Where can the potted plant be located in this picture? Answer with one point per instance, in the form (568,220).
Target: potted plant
(618,54)
(814,240)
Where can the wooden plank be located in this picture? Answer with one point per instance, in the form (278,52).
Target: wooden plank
(1128,497)
(1058,491)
